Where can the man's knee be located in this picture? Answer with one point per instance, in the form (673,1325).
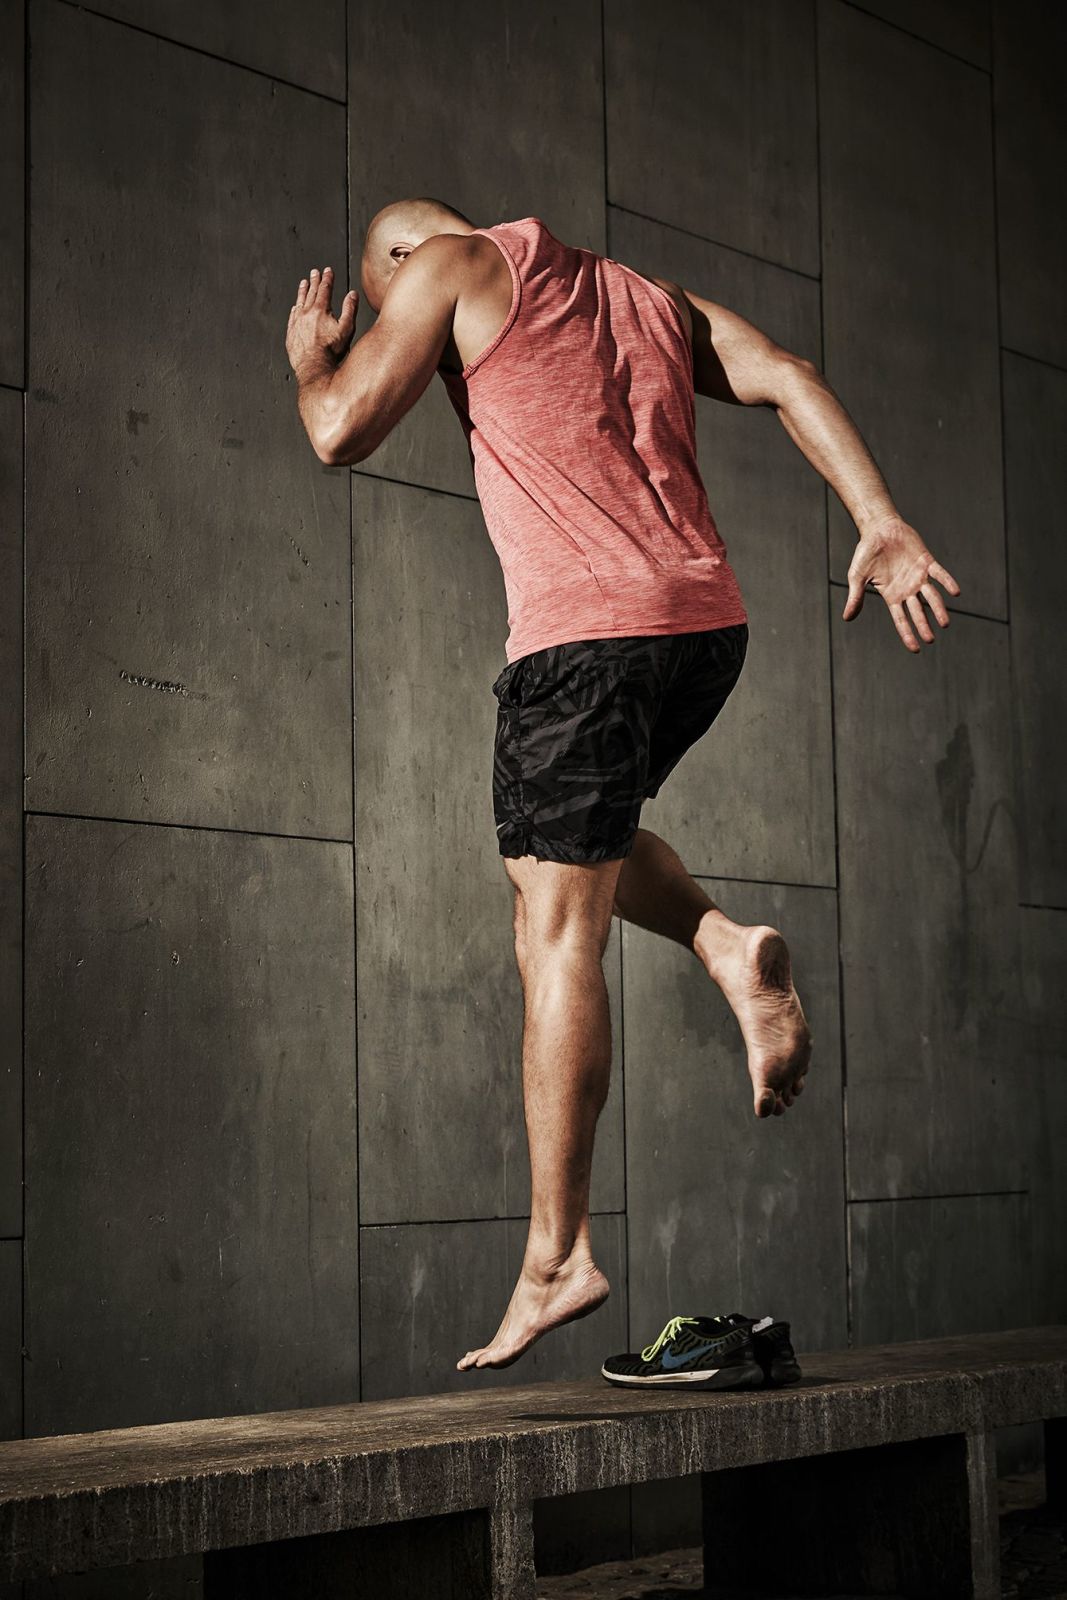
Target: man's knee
(560,902)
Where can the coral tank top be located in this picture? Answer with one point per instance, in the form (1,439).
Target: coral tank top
(580,421)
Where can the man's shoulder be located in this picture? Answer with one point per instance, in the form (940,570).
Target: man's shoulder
(463,258)
(676,293)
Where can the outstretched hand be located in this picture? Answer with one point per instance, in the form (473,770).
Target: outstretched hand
(313,329)
(891,558)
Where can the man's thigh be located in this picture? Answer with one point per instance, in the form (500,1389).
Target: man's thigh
(570,757)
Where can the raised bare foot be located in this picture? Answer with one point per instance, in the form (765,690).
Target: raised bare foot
(542,1300)
(756,978)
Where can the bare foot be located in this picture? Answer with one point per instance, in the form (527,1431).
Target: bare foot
(541,1300)
(756,978)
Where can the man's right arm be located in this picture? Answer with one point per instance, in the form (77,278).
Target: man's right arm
(735,362)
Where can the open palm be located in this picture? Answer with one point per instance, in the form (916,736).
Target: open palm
(892,558)
(313,329)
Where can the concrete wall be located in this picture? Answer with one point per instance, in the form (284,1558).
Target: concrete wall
(261,1137)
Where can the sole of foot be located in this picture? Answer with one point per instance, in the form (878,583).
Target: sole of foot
(536,1307)
(758,983)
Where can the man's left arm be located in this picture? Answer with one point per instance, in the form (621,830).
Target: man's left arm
(348,403)
(734,361)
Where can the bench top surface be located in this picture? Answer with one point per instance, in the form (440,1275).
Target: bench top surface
(153,1453)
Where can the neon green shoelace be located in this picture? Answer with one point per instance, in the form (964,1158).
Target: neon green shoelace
(671,1331)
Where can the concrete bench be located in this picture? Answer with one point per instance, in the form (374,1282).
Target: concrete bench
(875,1475)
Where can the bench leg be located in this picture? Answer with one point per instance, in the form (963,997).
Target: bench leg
(908,1519)
(467,1555)
(1056,1461)
(511,1551)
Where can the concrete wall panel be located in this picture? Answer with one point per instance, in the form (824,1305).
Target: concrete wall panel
(1030,51)
(1044,953)
(12,193)
(755,799)
(497,110)
(926,1268)
(191,1242)
(711,122)
(274,39)
(1035,425)
(725,1212)
(959,26)
(440,1023)
(187,553)
(432,1291)
(10,1339)
(910,296)
(10,814)
(929,933)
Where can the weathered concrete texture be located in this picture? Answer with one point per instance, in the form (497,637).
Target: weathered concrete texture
(504,119)
(11,1339)
(12,194)
(937,1087)
(983,1513)
(718,135)
(271,39)
(433,1291)
(922,1268)
(187,554)
(755,799)
(910,293)
(1044,956)
(917,1518)
(145,1493)
(191,1239)
(959,26)
(1030,60)
(10,814)
(1035,423)
(726,1212)
(440,1017)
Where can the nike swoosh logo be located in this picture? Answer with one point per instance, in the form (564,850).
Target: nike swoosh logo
(671,1362)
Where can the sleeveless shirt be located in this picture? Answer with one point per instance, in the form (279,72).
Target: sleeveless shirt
(580,422)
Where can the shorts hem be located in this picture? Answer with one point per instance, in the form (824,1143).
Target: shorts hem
(566,855)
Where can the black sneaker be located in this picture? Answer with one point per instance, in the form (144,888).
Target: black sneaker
(690,1353)
(771,1346)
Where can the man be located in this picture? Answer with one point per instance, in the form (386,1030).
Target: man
(573,377)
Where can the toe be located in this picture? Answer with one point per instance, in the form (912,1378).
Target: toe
(765,1103)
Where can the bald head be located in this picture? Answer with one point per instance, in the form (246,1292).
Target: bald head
(394,233)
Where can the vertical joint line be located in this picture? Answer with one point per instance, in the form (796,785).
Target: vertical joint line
(833,722)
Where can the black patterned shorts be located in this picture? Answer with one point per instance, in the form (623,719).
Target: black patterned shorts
(587,731)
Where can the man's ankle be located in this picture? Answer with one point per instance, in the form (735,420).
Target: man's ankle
(549,1257)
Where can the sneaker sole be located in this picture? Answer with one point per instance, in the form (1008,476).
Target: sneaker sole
(749,1376)
(783,1373)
